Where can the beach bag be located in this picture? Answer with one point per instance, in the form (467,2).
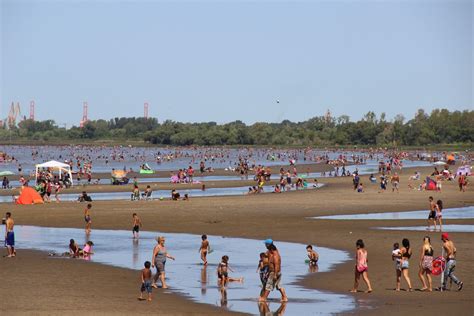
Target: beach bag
(439,264)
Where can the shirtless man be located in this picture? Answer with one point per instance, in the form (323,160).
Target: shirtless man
(87,217)
(432,215)
(137,224)
(10,235)
(274,276)
(450,256)
(204,249)
(395,180)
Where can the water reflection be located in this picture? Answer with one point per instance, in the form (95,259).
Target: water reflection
(264,309)
(135,251)
(188,277)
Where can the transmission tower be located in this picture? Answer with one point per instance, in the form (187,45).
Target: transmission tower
(145,110)
(84,114)
(32,110)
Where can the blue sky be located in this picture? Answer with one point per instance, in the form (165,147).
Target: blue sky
(231,60)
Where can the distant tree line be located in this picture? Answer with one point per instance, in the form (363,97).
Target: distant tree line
(439,127)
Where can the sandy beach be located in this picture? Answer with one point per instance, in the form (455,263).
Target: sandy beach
(73,286)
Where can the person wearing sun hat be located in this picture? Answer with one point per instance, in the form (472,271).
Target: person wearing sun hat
(450,256)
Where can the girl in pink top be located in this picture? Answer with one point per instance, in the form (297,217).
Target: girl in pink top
(361,267)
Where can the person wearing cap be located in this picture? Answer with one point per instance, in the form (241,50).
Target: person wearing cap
(450,256)
(274,276)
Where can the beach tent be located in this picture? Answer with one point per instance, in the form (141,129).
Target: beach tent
(464,170)
(430,184)
(54,165)
(29,196)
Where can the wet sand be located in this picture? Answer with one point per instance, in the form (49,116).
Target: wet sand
(280,216)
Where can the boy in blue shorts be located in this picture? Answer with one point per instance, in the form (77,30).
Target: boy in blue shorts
(146,281)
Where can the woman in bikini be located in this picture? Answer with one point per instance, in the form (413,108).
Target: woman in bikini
(439,210)
(361,267)
(405,254)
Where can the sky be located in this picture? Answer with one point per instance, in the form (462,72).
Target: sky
(222,61)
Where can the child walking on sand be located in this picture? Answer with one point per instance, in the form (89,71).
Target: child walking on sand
(223,275)
(146,281)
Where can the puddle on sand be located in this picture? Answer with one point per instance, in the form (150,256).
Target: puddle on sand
(450,228)
(163,193)
(449,213)
(188,277)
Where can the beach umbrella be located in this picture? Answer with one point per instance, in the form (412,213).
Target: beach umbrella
(6,173)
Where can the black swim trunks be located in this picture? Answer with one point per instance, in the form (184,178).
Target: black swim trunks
(136,229)
(432,215)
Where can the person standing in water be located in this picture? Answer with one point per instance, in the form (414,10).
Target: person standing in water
(274,275)
(137,224)
(361,267)
(160,254)
(204,249)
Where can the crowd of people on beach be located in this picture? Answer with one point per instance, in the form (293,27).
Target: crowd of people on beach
(269,266)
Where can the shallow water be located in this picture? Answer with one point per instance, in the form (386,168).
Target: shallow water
(106,196)
(188,277)
(133,157)
(446,228)
(449,213)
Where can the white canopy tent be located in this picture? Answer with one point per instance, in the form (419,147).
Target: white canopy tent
(55,166)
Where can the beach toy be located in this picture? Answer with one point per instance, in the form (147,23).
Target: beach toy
(439,264)
(162,198)
(306,261)
(144,171)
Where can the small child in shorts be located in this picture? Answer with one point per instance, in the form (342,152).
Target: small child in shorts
(396,255)
(262,268)
(146,281)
